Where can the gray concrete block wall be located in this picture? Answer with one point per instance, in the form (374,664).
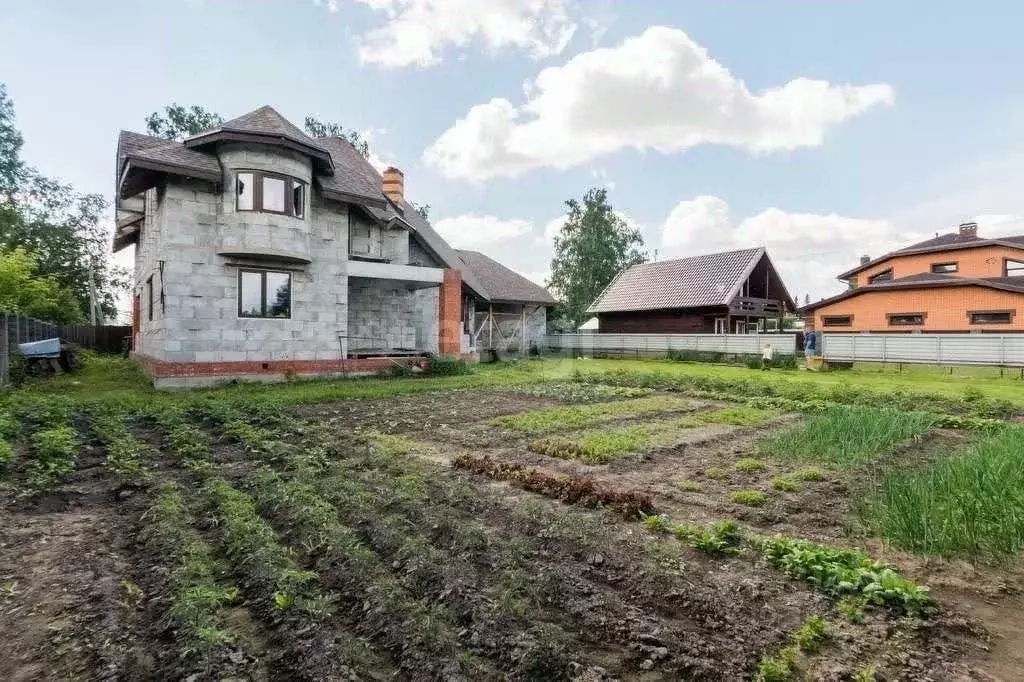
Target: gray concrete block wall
(384,314)
(188,224)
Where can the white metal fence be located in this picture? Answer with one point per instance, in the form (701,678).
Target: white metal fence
(731,344)
(1006,350)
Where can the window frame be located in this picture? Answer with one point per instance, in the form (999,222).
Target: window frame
(290,184)
(1010,314)
(886,274)
(149,298)
(954,264)
(890,317)
(263,293)
(1006,267)
(825,320)
(368,255)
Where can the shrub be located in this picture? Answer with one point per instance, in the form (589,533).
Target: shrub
(447,365)
(751,498)
(749,465)
(786,484)
(752,362)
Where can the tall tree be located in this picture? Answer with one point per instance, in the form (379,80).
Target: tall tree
(178,122)
(12,169)
(24,291)
(593,246)
(317,128)
(59,227)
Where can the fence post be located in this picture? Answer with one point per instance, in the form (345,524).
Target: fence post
(5,349)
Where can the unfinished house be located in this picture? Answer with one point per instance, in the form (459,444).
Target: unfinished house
(262,253)
(512,316)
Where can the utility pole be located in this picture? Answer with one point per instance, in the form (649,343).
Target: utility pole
(93,303)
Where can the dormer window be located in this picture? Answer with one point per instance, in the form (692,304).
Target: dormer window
(883,276)
(270,193)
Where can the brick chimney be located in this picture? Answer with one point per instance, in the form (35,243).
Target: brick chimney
(865,259)
(394,185)
(968,229)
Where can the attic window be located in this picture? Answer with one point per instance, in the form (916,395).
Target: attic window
(837,320)
(883,276)
(1013,268)
(906,319)
(944,268)
(991,316)
(270,193)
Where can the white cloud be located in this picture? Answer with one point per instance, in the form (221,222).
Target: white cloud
(473,231)
(659,90)
(417,32)
(553,227)
(808,249)
(540,278)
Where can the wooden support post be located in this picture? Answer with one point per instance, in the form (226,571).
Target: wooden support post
(490,319)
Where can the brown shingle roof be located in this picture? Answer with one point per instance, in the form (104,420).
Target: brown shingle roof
(943,242)
(262,121)
(696,282)
(503,284)
(158,151)
(924,280)
(353,175)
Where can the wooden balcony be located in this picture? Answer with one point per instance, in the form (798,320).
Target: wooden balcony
(756,307)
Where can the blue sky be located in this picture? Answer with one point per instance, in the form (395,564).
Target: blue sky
(913,124)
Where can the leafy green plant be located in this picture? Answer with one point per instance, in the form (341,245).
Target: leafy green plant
(688,486)
(6,453)
(570,417)
(809,474)
(734,416)
(55,452)
(723,537)
(843,572)
(716,473)
(779,667)
(866,674)
(750,498)
(787,484)
(124,451)
(852,608)
(846,436)
(447,365)
(811,634)
(749,465)
(196,598)
(9,426)
(582,393)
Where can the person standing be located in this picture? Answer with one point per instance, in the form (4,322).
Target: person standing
(767,355)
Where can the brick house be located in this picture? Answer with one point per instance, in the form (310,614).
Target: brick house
(262,252)
(955,282)
(733,292)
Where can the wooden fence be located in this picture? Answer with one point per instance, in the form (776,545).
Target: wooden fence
(15,329)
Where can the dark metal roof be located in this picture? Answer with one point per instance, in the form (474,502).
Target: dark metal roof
(700,281)
(943,242)
(503,284)
(924,280)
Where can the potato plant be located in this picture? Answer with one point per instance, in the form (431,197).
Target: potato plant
(124,451)
(56,450)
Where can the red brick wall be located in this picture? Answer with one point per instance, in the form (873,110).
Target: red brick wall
(450,314)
